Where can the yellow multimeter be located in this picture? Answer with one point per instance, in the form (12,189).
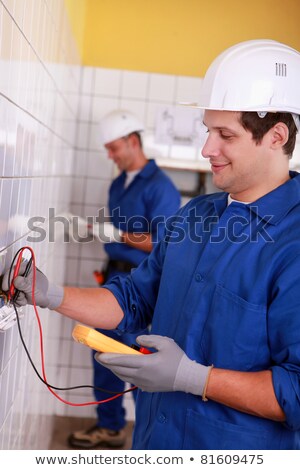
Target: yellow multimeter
(98,341)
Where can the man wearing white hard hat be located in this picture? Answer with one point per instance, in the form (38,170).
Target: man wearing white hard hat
(222,290)
(141,198)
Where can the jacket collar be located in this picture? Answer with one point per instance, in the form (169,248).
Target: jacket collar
(146,172)
(276,204)
(148,169)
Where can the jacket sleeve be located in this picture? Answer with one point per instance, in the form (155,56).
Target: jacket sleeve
(284,338)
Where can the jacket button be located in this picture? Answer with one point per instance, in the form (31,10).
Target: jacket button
(162,418)
(198,277)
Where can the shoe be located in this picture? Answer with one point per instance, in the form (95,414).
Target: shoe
(97,436)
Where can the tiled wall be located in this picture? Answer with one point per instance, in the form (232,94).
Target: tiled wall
(50,157)
(38,109)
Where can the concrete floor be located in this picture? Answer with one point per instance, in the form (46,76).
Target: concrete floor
(64,426)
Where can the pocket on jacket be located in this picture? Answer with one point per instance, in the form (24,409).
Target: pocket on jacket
(233,331)
(205,433)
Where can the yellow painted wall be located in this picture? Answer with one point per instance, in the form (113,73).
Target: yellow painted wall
(76,11)
(180,37)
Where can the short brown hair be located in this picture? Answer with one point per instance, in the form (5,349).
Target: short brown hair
(260,126)
(138,136)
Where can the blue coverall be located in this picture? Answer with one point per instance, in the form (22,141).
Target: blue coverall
(141,207)
(225,285)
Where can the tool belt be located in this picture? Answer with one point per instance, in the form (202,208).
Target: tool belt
(113,265)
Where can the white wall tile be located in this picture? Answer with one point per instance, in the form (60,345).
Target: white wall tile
(87,85)
(39,104)
(5,203)
(102,105)
(151,115)
(96,192)
(80,162)
(136,107)
(72,272)
(93,249)
(162,88)
(94,143)
(107,82)
(83,132)
(188,89)
(85,105)
(134,85)
(87,267)
(81,357)
(78,190)
(99,166)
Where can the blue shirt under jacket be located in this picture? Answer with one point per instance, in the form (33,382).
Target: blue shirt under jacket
(225,284)
(143,206)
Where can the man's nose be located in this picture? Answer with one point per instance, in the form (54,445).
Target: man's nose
(110,154)
(210,148)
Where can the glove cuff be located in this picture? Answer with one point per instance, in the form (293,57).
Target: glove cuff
(55,295)
(191,377)
(118,234)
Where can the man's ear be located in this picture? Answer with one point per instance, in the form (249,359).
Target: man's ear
(134,139)
(279,135)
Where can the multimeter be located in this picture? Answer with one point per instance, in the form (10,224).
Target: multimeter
(102,343)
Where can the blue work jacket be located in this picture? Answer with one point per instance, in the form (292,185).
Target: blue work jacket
(225,285)
(143,206)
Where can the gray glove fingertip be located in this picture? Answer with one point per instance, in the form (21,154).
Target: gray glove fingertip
(104,361)
(153,341)
(102,358)
(22,283)
(96,357)
(140,339)
(149,340)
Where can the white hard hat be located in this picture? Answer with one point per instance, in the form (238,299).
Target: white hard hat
(117,124)
(259,75)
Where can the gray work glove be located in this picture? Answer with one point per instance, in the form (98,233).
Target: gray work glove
(167,370)
(106,232)
(46,295)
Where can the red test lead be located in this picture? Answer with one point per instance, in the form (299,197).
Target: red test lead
(16,272)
